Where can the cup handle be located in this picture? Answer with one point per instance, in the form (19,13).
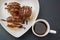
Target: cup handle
(52,31)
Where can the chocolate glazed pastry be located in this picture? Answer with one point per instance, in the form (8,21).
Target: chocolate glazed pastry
(18,14)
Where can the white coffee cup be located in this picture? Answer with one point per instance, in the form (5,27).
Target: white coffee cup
(47,31)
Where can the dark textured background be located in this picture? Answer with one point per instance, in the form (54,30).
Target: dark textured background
(50,10)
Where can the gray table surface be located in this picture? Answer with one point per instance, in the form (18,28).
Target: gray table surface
(49,10)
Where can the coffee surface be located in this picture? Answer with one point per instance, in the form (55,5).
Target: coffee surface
(40,28)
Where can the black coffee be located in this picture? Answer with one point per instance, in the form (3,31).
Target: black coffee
(40,28)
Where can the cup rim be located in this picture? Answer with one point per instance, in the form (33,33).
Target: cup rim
(48,28)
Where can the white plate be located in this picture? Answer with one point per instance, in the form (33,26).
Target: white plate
(4,14)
